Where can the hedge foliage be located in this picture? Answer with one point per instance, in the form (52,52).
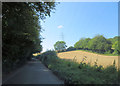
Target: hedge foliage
(21,31)
(74,73)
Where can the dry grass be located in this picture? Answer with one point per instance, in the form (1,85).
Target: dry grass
(90,57)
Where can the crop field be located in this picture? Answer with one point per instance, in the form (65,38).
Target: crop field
(88,57)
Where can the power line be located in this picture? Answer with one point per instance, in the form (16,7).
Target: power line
(62,36)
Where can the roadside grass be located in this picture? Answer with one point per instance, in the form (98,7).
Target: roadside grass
(74,73)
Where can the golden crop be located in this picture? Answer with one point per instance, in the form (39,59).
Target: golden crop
(89,58)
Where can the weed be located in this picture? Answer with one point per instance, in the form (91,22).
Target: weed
(80,73)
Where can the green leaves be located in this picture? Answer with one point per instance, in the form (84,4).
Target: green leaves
(82,43)
(60,45)
(116,47)
(98,44)
(21,30)
(75,73)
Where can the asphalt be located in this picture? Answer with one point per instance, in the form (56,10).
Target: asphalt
(34,72)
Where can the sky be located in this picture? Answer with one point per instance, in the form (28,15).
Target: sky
(75,20)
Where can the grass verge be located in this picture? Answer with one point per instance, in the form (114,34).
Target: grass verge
(73,73)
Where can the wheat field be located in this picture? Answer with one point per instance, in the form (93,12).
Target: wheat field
(89,58)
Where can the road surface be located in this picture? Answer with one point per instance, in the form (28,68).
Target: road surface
(34,72)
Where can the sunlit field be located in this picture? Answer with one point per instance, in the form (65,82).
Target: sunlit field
(36,54)
(89,58)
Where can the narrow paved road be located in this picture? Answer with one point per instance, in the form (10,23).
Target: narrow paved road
(33,73)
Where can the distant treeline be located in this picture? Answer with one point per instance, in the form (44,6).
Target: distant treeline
(21,31)
(98,44)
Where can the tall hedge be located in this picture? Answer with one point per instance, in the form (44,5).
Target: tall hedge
(21,31)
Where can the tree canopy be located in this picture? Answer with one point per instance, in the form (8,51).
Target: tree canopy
(116,45)
(82,43)
(21,30)
(98,44)
(60,45)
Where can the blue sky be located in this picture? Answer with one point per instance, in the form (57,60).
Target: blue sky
(76,20)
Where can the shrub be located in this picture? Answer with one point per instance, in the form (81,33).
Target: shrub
(48,57)
(74,73)
(70,48)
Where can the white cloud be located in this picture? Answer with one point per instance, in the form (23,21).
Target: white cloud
(60,26)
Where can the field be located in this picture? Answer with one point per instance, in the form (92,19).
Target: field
(89,58)
(74,73)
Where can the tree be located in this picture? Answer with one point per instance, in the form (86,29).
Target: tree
(85,43)
(82,43)
(79,44)
(76,45)
(60,45)
(113,40)
(116,47)
(99,44)
(21,31)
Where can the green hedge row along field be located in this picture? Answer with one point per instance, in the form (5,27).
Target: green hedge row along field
(73,73)
(98,44)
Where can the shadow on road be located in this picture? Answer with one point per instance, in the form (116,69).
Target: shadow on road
(34,72)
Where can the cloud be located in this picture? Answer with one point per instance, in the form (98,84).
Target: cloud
(60,26)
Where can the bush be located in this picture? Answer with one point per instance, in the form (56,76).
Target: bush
(48,57)
(70,48)
(74,73)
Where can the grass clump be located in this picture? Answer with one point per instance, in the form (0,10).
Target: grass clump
(79,73)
